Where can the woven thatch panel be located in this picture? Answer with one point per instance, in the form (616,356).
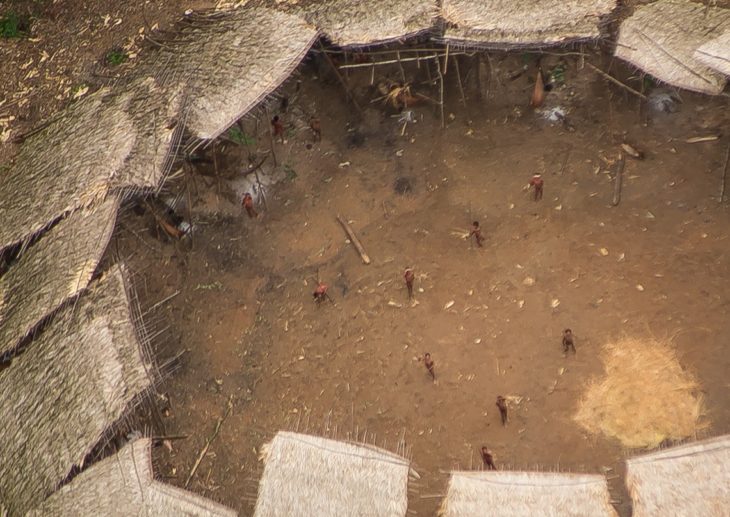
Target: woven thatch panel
(61,395)
(691,479)
(351,23)
(716,53)
(523,23)
(104,141)
(661,38)
(123,485)
(229,62)
(66,166)
(536,494)
(54,269)
(307,475)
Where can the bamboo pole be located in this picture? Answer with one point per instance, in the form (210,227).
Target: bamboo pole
(341,79)
(458,78)
(441,92)
(401,60)
(616,81)
(619,177)
(724,175)
(400,66)
(354,240)
(446,60)
(209,441)
(271,136)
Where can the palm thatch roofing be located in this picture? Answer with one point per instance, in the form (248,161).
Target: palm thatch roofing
(661,38)
(104,141)
(57,267)
(502,493)
(692,479)
(522,23)
(307,475)
(354,23)
(228,62)
(71,384)
(123,484)
(716,53)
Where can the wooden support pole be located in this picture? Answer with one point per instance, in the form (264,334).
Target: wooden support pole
(354,240)
(458,78)
(441,92)
(340,79)
(400,66)
(446,60)
(619,177)
(271,136)
(478,63)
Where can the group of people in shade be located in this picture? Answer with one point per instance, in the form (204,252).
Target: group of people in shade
(320,292)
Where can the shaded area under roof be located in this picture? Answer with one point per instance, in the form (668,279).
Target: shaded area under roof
(307,475)
(57,267)
(123,484)
(537,494)
(716,53)
(73,382)
(661,38)
(692,479)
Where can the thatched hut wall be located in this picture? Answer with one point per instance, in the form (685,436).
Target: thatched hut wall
(692,479)
(69,386)
(57,267)
(537,494)
(354,23)
(307,475)
(661,38)
(229,62)
(522,23)
(716,53)
(123,484)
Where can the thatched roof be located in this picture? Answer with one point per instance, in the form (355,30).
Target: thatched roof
(123,485)
(716,53)
(105,140)
(307,475)
(501,493)
(692,479)
(661,38)
(352,23)
(522,23)
(229,61)
(54,269)
(68,387)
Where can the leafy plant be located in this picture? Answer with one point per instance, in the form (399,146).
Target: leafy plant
(557,74)
(116,56)
(240,137)
(291,174)
(13,26)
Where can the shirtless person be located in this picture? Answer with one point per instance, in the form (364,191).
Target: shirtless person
(248,205)
(476,231)
(410,277)
(488,459)
(537,182)
(278,128)
(428,362)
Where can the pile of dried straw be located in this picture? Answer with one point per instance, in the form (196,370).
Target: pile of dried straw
(644,397)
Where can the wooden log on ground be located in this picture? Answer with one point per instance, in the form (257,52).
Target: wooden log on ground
(724,175)
(619,177)
(355,241)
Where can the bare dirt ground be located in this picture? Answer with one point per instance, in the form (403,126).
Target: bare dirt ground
(244,320)
(250,330)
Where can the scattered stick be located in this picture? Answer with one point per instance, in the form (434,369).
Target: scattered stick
(616,81)
(724,175)
(173,295)
(204,451)
(355,241)
(565,161)
(617,184)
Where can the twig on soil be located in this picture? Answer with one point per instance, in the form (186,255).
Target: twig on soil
(619,176)
(616,81)
(173,295)
(724,175)
(210,440)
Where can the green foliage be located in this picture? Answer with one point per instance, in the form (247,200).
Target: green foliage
(12,26)
(240,137)
(557,74)
(116,57)
(291,174)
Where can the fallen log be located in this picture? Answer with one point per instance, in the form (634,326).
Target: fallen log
(354,240)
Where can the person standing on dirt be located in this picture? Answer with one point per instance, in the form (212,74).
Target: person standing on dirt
(537,182)
(278,128)
(476,232)
(488,459)
(320,293)
(248,205)
(316,126)
(409,277)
